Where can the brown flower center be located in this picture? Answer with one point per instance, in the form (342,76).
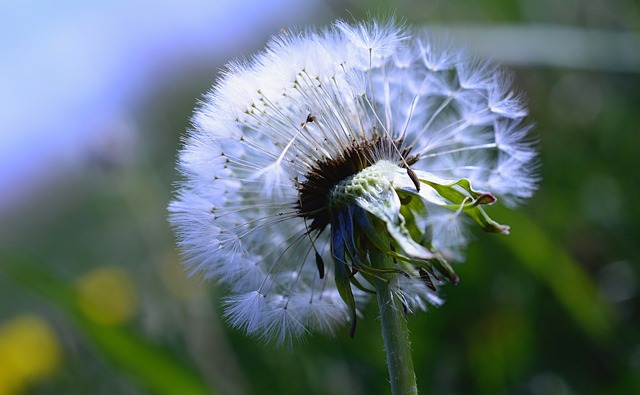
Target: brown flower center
(313,192)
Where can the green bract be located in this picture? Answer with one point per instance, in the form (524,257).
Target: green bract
(381,209)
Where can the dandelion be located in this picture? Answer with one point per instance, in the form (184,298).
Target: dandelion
(345,163)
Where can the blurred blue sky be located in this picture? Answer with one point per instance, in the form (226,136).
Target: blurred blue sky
(71,69)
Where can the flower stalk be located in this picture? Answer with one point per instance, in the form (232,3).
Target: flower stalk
(395,332)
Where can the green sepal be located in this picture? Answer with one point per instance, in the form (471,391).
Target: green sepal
(483,219)
(445,268)
(375,231)
(376,234)
(358,284)
(342,275)
(464,197)
(344,289)
(441,264)
(415,212)
(385,205)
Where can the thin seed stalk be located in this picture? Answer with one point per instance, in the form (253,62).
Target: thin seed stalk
(395,332)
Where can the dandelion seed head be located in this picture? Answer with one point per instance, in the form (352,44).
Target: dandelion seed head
(330,143)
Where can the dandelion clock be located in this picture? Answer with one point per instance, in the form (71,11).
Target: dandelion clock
(342,166)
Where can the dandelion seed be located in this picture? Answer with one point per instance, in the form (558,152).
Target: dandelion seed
(333,148)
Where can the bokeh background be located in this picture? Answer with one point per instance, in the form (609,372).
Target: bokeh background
(93,99)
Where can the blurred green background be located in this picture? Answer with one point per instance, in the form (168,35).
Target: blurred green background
(93,300)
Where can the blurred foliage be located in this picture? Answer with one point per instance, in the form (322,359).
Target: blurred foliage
(89,275)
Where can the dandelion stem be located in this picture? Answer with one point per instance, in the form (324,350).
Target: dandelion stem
(394,332)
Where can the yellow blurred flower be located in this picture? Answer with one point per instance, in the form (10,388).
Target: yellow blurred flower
(107,295)
(29,351)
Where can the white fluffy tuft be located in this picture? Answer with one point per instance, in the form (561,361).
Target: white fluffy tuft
(306,98)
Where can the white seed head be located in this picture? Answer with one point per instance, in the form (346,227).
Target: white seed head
(370,118)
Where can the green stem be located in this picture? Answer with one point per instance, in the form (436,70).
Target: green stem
(395,334)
